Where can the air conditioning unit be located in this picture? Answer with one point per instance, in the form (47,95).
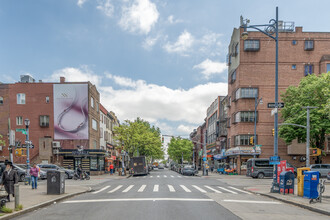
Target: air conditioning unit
(56,144)
(55,151)
(0,148)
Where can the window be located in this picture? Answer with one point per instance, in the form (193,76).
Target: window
(233,77)
(328,68)
(1,100)
(247,116)
(251,45)
(294,42)
(228,123)
(44,121)
(246,93)
(308,69)
(262,163)
(94,124)
(294,67)
(236,49)
(21,98)
(309,45)
(47,99)
(19,120)
(242,140)
(94,144)
(101,132)
(92,102)
(97,106)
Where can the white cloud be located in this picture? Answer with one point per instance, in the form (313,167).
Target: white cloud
(210,68)
(139,17)
(149,42)
(172,20)
(124,81)
(81,2)
(210,44)
(182,45)
(106,7)
(185,129)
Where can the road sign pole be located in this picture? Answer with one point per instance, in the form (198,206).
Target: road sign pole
(27,148)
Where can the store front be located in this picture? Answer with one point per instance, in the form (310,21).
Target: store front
(92,161)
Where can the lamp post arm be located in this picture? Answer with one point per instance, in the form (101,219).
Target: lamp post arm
(262,31)
(302,126)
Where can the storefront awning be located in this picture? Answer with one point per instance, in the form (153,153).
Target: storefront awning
(243,151)
(219,157)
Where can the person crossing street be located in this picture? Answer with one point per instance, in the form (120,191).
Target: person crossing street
(9,179)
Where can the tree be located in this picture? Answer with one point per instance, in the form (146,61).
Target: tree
(312,91)
(140,138)
(178,147)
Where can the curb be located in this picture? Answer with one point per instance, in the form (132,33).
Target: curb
(41,205)
(313,209)
(128,176)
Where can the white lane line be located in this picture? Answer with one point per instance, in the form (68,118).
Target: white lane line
(140,199)
(138,177)
(185,188)
(144,177)
(115,189)
(156,188)
(172,176)
(227,190)
(104,188)
(142,188)
(239,190)
(252,201)
(158,176)
(165,176)
(198,188)
(217,191)
(128,189)
(171,188)
(180,176)
(151,176)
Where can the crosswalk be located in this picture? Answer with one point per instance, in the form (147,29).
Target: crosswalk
(163,176)
(170,188)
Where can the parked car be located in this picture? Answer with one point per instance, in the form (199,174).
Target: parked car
(328,176)
(161,166)
(43,174)
(188,170)
(324,169)
(259,168)
(21,173)
(68,173)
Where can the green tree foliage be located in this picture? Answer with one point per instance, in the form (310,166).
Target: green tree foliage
(2,142)
(177,146)
(312,91)
(139,137)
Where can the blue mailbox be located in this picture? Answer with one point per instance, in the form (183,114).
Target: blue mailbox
(287,182)
(311,180)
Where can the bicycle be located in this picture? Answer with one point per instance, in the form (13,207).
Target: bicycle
(321,189)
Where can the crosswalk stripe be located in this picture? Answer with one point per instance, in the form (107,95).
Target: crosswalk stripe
(217,191)
(179,176)
(156,188)
(144,177)
(239,190)
(115,189)
(158,176)
(171,188)
(165,176)
(172,176)
(185,188)
(151,176)
(142,188)
(200,189)
(104,188)
(128,188)
(227,190)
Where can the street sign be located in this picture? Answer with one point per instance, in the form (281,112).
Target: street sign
(28,142)
(274,110)
(20,129)
(204,158)
(274,160)
(25,146)
(258,145)
(272,105)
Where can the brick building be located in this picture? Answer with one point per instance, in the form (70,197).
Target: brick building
(251,73)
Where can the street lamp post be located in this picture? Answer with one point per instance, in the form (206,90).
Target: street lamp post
(27,124)
(256,103)
(270,30)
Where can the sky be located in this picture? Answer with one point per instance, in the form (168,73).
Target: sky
(161,60)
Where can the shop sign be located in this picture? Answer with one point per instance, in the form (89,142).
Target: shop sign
(80,152)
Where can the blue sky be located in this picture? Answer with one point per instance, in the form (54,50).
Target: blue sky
(162,60)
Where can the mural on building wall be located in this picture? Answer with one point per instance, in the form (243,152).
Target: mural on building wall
(70,111)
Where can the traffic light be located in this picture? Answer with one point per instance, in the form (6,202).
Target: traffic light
(18,152)
(273,131)
(251,140)
(162,139)
(314,152)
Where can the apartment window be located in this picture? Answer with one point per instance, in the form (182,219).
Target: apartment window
(21,98)
(94,124)
(293,66)
(236,49)
(92,102)
(233,77)
(241,140)
(308,69)
(328,67)
(94,144)
(97,106)
(1,100)
(44,120)
(101,132)
(294,42)
(246,116)
(246,93)
(309,45)
(47,99)
(251,45)
(228,123)
(19,120)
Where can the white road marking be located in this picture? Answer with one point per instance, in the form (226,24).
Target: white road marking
(115,189)
(198,188)
(156,188)
(142,188)
(172,176)
(158,176)
(171,188)
(227,190)
(128,188)
(151,176)
(144,177)
(180,176)
(251,201)
(239,190)
(185,188)
(104,188)
(140,199)
(165,176)
(217,191)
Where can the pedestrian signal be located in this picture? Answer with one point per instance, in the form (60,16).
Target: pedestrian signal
(314,152)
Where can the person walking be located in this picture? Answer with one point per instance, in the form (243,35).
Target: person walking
(34,171)
(79,171)
(111,169)
(8,179)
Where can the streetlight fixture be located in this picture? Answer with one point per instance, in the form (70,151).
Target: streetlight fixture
(256,103)
(270,30)
(27,124)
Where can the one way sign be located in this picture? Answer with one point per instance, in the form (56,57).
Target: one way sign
(272,105)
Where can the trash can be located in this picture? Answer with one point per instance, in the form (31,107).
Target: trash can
(287,182)
(300,179)
(55,182)
(311,180)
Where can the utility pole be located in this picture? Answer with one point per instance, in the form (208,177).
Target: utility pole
(204,154)
(308,134)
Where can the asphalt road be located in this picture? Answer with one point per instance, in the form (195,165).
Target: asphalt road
(165,194)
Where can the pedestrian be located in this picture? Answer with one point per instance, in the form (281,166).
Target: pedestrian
(79,171)
(34,171)
(8,179)
(69,167)
(111,169)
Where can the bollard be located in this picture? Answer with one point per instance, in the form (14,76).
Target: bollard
(16,191)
